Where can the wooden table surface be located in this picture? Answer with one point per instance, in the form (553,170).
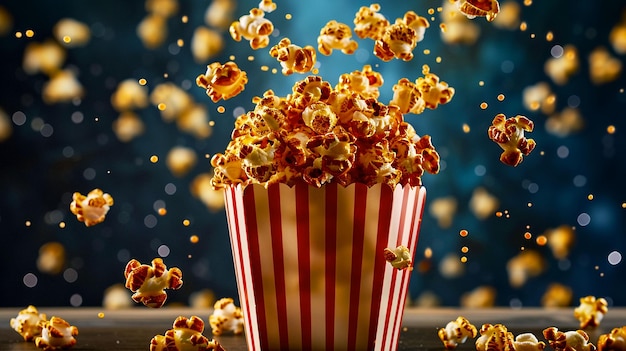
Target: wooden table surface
(132,329)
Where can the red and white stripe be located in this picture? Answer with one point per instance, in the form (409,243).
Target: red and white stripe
(310,270)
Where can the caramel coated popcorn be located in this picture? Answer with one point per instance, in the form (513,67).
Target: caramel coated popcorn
(399,258)
(91,209)
(571,340)
(28,323)
(426,92)
(185,335)
(226,317)
(479,8)
(456,332)
(561,68)
(528,342)
(369,22)
(400,38)
(149,282)
(336,36)
(613,341)
(508,133)
(253,27)
(495,338)
(293,58)
(56,334)
(222,81)
(591,311)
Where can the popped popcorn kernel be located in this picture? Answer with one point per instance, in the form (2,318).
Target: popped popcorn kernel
(495,338)
(591,311)
(226,317)
(399,258)
(253,27)
(185,335)
(222,81)
(456,332)
(91,209)
(613,341)
(479,8)
(336,36)
(509,135)
(56,334)
(528,342)
(369,22)
(571,340)
(293,58)
(28,323)
(148,283)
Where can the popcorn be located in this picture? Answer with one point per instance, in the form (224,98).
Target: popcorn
(51,258)
(6,21)
(336,36)
(91,209)
(195,121)
(509,135)
(480,297)
(129,95)
(591,311)
(399,258)
(456,332)
(451,266)
(180,160)
(369,23)
(116,297)
(528,342)
(293,58)
(365,83)
(557,295)
(509,15)
(456,28)
(226,317)
(185,335)
(202,189)
(222,81)
(562,124)
(128,126)
(174,100)
(408,97)
(603,68)
(539,97)
(56,334)
(526,264)
(494,338)
(163,8)
(46,57)
(434,91)
(562,68)
(617,37)
(219,13)
(28,323)
(482,203)
(568,341)
(399,39)
(206,43)
(479,8)
(149,282)
(6,126)
(267,5)
(253,27)
(561,240)
(62,87)
(152,31)
(71,33)
(443,209)
(613,341)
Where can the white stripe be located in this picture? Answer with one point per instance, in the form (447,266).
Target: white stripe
(317,223)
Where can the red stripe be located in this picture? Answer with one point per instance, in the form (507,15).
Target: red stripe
(330,229)
(304,261)
(279,264)
(255,264)
(384,216)
(358,233)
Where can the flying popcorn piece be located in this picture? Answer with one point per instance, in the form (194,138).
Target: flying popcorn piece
(185,335)
(369,22)
(456,332)
(152,31)
(219,14)
(51,258)
(336,36)
(443,209)
(149,282)
(226,317)
(128,126)
(180,160)
(591,311)
(617,37)
(451,266)
(163,8)
(171,100)
(528,342)
(399,258)
(603,68)
(564,123)
(539,97)
(28,323)
(267,5)
(222,81)
(455,27)
(253,27)
(434,91)
(613,341)
(6,21)
(91,209)
(525,265)
(202,189)
(117,297)
(195,121)
(568,341)
(557,295)
(509,135)
(561,240)
(398,41)
(494,338)
(56,334)
(509,15)
(480,297)
(408,97)
(293,58)
(206,43)
(483,204)
(63,86)
(6,126)
(364,82)
(479,8)
(560,69)
(46,57)
(71,33)
(129,95)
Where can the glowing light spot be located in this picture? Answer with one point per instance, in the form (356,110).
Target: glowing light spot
(500,97)
(528,2)
(583,219)
(212,123)
(154,158)
(426,51)
(274,71)
(614,258)
(431,11)
(532,35)
(163,251)
(162,211)
(549,36)
(443,27)
(428,252)
(484,105)
(18,35)
(463,233)
(61,225)
(499,214)
(481,83)
(30,33)
(466,128)
(194,239)
(464,249)
(221,109)
(590,197)
(250,58)
(523,26)
(463,259)
(623,204)
(27,223)
(67,39)
(76,300)
(100,315)
(610,129)
(186,222)
(184,19)
(180,43)
(30,280)
(161,106)
(438,59)
(231,57)
(530,204)
(265,68)
(542,240)
(288,16)
(143,81)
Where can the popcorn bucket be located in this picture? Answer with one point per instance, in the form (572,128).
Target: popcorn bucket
(310,267)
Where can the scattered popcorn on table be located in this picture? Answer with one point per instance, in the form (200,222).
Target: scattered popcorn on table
(369,23)
(456,332)
(479,8)
(226,317)
(56,334)
(591,311)
(557,295)
(91,209)
(613,341)
(71,33)
(562,68)
(568,341)
(508,133)
(528,342)
(495,338)
(399,258)
(222,81)
(149,282)
(253,27)
(28,323)
(185,335)
(293,58)
(336,36)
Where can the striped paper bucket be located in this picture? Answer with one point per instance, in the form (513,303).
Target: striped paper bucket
(310,267)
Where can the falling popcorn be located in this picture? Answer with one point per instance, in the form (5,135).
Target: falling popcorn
(46,57)
(63,86)
(480,297)
(28,323)
(185,335)
(149,282)
(293,58)
(591,311)
(399,39)
(560,69)
(369,23)
(206,43)
(557,295)
(71,33)
(479,8)
(336,36)
(399,258)
(226,317)
(56,334)
(152,31)
(129,95)
(456,28)
(222,81)
(509,135)
(456,332)
(567,341)
(526,264)
(613,341)
(254,28)
(603,68)
(91,209)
